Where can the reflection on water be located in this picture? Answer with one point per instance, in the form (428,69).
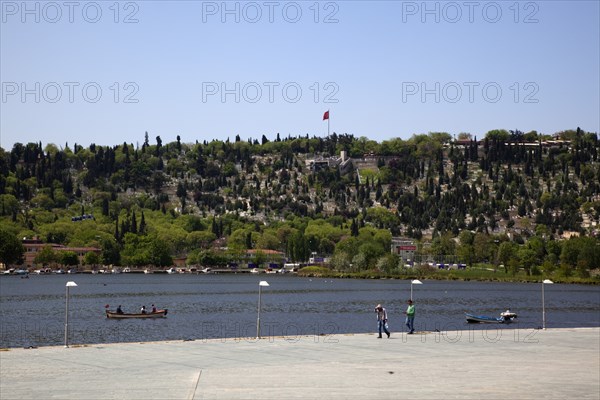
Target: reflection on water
(225,306)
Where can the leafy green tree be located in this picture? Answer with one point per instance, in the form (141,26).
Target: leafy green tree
(259,257)
(340,261)
(383,237)
(527,258)
(321,229)
(249,240)
(360,262)
(111,254)
(46,256)
(483,247)
(388,263)
(9,204)
(142,228)
(553,250)
(382,217)
(326,247)
(506,252)
(570,252)
(580,253)
(537,245)
(349,246)
(200,239)
(354,228)
(297,249)
(69,258)
(160,253)
(136,250)
(589,253)
(465,250)
(43,201)
(91,258)
(501,135)
(211,258)
(548,267)
(268,241)
(11,248)
(60,232)
(239,239)
(371,251)
(174,235)
(443,245)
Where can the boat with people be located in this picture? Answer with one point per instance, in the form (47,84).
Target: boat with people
(156,314)
(504,318)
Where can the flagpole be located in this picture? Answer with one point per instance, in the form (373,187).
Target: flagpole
(328,121)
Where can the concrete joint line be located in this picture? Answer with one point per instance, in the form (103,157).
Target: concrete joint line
(196,386)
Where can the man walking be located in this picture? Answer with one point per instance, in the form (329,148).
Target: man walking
(410,317)
(382,320)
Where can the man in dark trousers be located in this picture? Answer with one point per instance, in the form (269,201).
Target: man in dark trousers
(382,320)
(410,317)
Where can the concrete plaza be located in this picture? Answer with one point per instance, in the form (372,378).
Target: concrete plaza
(490,364)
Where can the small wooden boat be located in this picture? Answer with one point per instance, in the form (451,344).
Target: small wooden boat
(157,314)
(504,318)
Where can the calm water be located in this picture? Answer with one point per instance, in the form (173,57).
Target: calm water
(32,311)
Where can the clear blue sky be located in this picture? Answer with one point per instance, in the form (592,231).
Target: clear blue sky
(384,69)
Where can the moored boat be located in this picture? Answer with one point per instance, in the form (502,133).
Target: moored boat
(504,318)
(508,314)
(157,314)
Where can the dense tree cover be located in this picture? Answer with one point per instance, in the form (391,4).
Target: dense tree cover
(11,249)
(505,199)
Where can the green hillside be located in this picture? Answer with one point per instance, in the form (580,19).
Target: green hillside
(513,201)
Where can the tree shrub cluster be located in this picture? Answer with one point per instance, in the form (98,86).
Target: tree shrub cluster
(504,200)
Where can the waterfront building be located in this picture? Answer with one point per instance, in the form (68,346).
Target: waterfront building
(405,248)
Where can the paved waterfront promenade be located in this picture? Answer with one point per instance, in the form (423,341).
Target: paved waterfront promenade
(507,364)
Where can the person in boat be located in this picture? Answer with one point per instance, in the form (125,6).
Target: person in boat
(382,320)
(508,315)
(119,310)
(143,310)
(153,308)
(410,317)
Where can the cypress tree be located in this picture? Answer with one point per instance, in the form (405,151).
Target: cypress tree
(142,229)
(133,227)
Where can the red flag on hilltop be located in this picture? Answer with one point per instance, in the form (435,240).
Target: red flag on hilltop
(326,115)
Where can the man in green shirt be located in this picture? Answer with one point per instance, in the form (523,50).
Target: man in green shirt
(410,317)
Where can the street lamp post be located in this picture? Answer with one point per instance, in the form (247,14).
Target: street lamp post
(414,282)
(260,285)
(68,285)
(544,282)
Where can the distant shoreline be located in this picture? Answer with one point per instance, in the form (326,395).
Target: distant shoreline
(477,275)
(466,275)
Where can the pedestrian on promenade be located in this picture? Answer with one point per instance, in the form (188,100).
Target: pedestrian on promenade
(382,320)
(410,317)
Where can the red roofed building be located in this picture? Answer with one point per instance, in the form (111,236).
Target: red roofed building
(34,246)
